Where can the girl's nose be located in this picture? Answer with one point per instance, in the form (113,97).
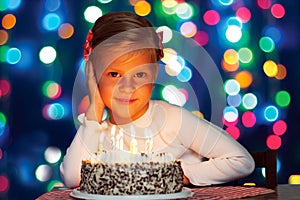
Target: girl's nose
(126,84)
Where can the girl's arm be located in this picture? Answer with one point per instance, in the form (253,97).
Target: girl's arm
(227,159)
(84,144)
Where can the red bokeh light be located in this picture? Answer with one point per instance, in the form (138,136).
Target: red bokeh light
(234,132)
(211,17)
(273,142)
(278,11)
(201,38)
(264,4)
(279,127)
(244,14)
(4,183)
(248,119)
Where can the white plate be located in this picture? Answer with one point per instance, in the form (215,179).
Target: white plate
(82,195)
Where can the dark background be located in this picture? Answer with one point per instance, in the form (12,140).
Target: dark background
(27,133)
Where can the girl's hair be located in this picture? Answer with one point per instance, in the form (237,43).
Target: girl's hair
(133,30)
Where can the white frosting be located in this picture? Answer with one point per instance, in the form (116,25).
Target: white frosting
(119,156)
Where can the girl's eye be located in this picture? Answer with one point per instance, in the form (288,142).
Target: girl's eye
(140,74)
(114,74)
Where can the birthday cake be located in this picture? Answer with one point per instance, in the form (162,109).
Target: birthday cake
(121,173)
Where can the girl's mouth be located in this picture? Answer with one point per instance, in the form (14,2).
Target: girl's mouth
(125,101)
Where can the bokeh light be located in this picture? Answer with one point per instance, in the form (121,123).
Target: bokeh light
(244,14)
(9,21)
(142,8)
(266,44)
(3,37)
(172,95)
(249,101)
(233,33)
(5,88)
(232,87)
(234,132)
(52,154)
(184,10)
(248,119)
(294,179)
(92,13)
(245,55)
(52,5)
(13,55)
(270,68)
(4,183)
(47,54)
(201,38)
(274,142)
(278,10)
(282,98)
(271,113)
(244,78)
(211,17)
(230,114)
(66,31)
(51,89)
(43,173)
(234,100)
(281,74)
(51,21)
(188,29)
(279,127)
(264,4)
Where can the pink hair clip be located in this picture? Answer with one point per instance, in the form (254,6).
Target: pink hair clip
(161,46)
(87,49)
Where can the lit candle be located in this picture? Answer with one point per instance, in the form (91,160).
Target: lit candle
(133,142)
(149,141)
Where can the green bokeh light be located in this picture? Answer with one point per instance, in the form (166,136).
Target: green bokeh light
(266,44)
(282,98)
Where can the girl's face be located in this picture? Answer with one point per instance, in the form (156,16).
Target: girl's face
(126,87)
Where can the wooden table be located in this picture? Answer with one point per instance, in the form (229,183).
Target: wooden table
(283,192)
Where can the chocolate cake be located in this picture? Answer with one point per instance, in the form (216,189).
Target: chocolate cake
(142,177)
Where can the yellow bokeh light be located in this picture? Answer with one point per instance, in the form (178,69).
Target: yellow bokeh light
(270,68)
(244,78)
(142,8)
(294,179)
(169,6)
(66,31)
(281,72)
(231,56)
(3,37)
(228,67)
(168,54)
(9,21)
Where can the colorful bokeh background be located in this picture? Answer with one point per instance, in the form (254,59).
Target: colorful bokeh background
(255,45)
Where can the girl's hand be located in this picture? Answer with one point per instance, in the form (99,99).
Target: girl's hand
(96,107)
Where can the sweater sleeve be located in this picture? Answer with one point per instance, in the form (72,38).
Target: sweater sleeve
(226,159)
(84,144)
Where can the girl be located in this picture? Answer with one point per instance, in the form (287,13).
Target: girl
(121,53)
